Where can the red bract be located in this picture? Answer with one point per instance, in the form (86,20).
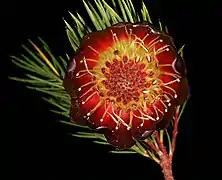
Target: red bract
(127,79)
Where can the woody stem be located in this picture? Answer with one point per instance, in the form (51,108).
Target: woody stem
(175,132)
(166,165)
(165,159)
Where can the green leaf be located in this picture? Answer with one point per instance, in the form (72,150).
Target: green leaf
(169,142)
(55,62)
(71,39)
(72,36)
(50,92)
(145,13)
(160,25)
(132,10)
(38,60)
(74,124)
(123,152)
(115,17)
(62,113)
(55,103)
(180,51)
(92,134)
(152,138)
(103,12)
(79,26)
(38,69)
(46,82)
(166,30)
(127,11)
(161,133)
(25,80)
(93,16)
(101,142)
(182,109)
(139,151)
(63,63)
(24,65)
(122,10)
(84,23)
(85,136)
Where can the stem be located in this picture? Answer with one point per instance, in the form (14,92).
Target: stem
(166,165)
(165,158)
(160,143)
(152,146)
(175,132)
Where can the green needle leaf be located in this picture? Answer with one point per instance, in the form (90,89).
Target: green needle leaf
(128,11)
(166,30)
(51,93)
(88,29)
(103,12)
(169,142)
(123,152)
(93,16)
(101,142)
(161,135)
(79,26)
(66,114)
(160,25)
(55,62)
(72,36)
(138,150)
(74,124)
(145,13)
(112,12)
(182,109)
(132,10)
(53,102)
(180,51)
(123,11)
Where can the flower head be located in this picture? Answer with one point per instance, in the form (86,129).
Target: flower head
(126,79)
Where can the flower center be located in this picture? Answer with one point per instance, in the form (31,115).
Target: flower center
(125,80)
(128,77)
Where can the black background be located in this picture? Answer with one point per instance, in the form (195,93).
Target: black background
(38,147)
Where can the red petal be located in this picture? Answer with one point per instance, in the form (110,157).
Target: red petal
(140,126)
(87,103)
(167,117)
(168,69)
(103,113)
(162,42)
(94,40)
(139,30)
(85,78)
(69,86)
(183,91)
(75,114)
(120,138)
(118,31)
(167,56)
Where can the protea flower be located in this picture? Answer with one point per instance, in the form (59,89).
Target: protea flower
(128,79)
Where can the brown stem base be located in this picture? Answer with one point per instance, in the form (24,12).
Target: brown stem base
(166,165)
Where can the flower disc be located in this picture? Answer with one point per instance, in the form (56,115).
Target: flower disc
(128,80)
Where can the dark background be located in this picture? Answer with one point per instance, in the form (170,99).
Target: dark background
(38,147)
